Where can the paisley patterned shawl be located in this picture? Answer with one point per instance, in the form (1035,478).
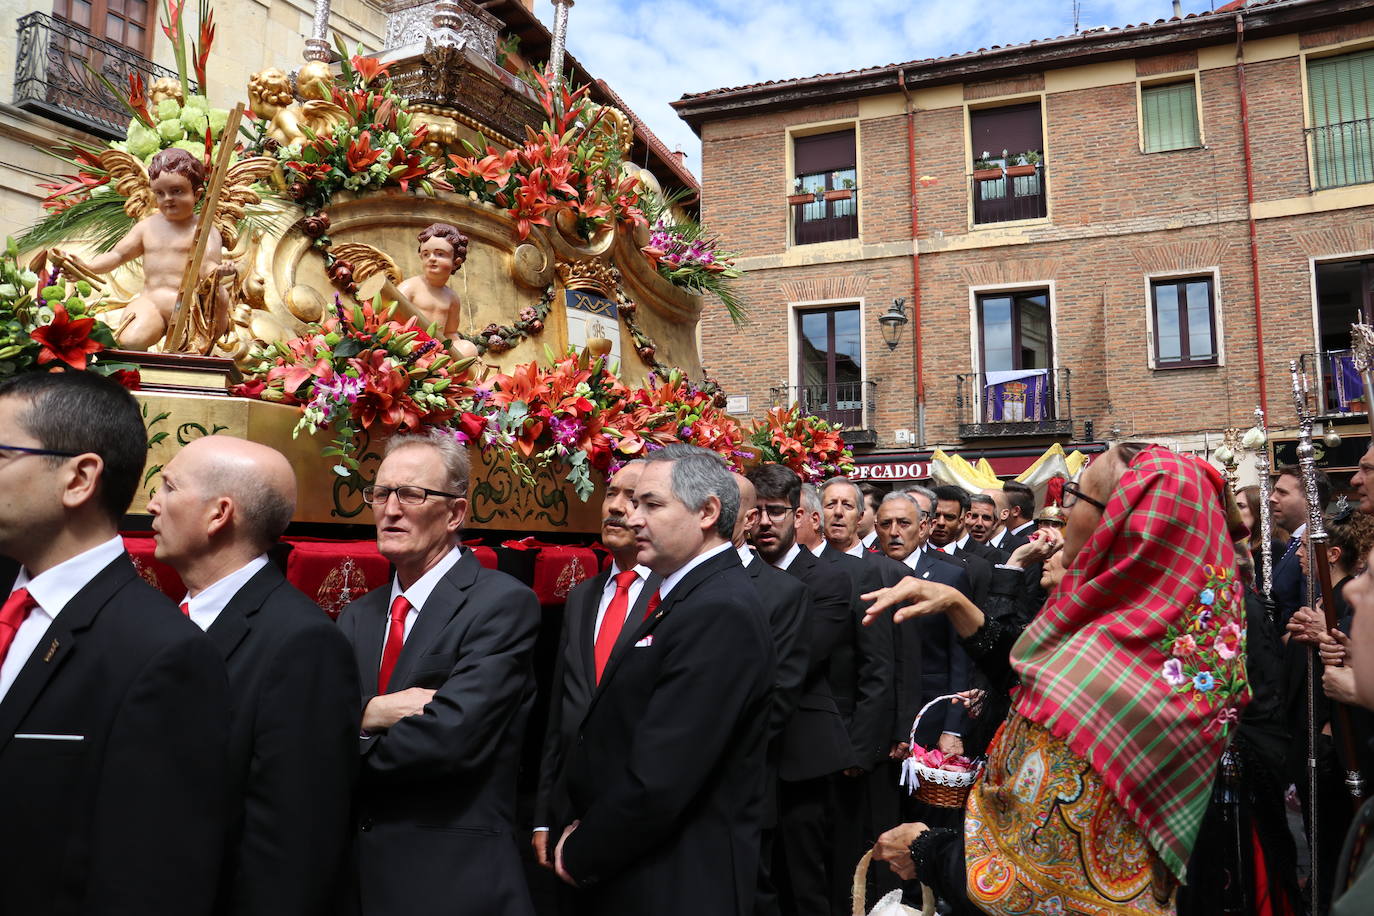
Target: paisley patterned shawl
(1138,660)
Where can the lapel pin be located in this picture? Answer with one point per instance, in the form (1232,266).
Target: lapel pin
(52,650)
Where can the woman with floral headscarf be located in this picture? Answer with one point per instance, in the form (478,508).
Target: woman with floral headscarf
(1124,689)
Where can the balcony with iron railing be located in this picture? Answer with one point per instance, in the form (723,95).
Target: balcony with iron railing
(1341,154)
(53,75)
(849,404)
(1010,196)
(1337,382)
(825,216)
(1021,402)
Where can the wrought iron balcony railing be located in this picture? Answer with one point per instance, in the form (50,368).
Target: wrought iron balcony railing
(850,404)
(826,220)
(52,79)
(1338,383)
(1023,402)
(1341,154)
(1008,198)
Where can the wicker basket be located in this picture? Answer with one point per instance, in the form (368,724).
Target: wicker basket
(889,904)
(938,788)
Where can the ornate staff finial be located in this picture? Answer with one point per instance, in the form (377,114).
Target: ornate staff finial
(317,45)
(1362,351)
(560,39)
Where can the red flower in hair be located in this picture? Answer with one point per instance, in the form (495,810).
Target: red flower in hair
(65,340)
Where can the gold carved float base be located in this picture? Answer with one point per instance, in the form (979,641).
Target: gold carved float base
(498,498)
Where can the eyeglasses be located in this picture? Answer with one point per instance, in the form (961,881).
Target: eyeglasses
(23,450)
(1073,493)
(407,496)
(777,512)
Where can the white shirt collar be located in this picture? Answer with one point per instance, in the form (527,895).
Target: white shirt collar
(642,571)
(950,547)
(788,557)
(54,588)
(1297,535)
(996,539)
(869,538)
(1024,527)
(746,556)
(205,607)
(857,550)
(676,576)
(818,549)
(418,593)
(913,557)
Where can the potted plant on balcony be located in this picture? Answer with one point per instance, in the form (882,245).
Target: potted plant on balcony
(841,193)
(1025,165)
(985,168)
(798,196)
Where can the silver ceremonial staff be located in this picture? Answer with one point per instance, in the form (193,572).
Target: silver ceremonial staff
(1266,519)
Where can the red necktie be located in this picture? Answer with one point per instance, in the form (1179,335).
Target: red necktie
(186,608)
(395,638)
(14,613)
(613,620)
(653,605)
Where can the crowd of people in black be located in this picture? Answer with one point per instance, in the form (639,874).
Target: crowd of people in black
(734,707)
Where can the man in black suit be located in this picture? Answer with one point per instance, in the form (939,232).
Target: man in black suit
(1020,520)
(814,748)
(933,662)
(114,709)
(1288,509)
(444,656)
(666,777)
(868,532)
(293,747)
(787,605)
(598,620)
(981,524)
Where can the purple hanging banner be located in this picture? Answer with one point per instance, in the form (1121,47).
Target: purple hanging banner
(1345,379)
(1018,396)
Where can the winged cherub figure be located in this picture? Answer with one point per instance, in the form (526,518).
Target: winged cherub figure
(271,98)
(162,201)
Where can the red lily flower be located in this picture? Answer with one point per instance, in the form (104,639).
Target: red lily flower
(361,154)
(201,47)
(310,171)
(368,68)
(173,20)
(66,341)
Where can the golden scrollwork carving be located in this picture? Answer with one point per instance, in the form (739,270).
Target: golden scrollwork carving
(610,137)
(594,275)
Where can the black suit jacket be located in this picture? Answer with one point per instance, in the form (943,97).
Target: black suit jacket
(931,647)
(130,818)
(787,605)
(979,570)
(667,773)
(293,749)
(862,668)
(1012,541)
(436,793)
(1289,588)
(571,690)
(815,741)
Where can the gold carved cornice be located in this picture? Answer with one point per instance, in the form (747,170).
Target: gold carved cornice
(593,275)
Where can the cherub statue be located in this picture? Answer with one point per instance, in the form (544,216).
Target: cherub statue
(270,97)
(162,202)
(166,87)
(443,249)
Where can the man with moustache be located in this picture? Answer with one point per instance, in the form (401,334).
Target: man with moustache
(444,653)
(666,777)
(787,607)
(222,503)
(598,620)
(114,708)
(814,747)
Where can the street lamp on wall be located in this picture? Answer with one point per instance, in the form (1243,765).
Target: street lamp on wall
(892,323)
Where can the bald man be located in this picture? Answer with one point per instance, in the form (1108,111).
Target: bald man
(293,746)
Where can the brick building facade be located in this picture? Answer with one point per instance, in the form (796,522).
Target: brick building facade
(1103,288)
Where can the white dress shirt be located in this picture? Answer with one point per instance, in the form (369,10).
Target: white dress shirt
(52,589)
(419,592)
(206,605)
(787,558)
(1024,528)
(818,549)
(868,539)
(669,581)
(746,556)
(608,592)
(952,546)
(997,539)
(857,550)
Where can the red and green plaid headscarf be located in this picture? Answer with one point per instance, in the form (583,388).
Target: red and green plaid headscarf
(1138,660)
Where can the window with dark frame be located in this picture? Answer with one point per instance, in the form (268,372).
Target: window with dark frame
(826,163)
(1184,322)
(1016,353)
(830,364)
(1001,136)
